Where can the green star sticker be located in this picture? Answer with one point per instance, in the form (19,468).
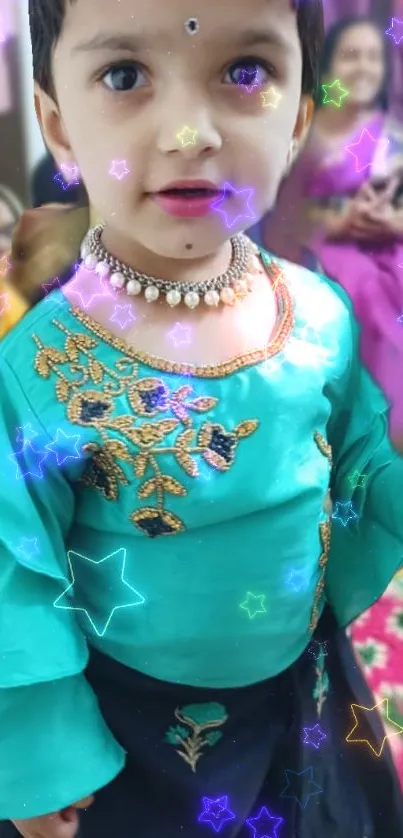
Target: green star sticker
(357,480)
(334,93)
(254,604)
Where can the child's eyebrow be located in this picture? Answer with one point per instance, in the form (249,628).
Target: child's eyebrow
(138,43)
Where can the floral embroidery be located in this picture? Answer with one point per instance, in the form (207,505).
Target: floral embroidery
(149,398)
(324,534)
(190,734)
(321,688)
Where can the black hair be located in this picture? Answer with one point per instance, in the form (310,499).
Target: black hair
(331,43)
(46,24)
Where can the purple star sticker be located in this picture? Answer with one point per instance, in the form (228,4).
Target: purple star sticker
(364,149)
(122,315)
(88,286)
(228,194)
(395,30)
(216,812)
(180,335)
(313,736)
(119,169)
(265,825)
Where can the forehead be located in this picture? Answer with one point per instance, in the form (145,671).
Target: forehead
(362,35)
(163,21)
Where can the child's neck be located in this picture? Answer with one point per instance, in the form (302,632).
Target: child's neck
(173,269)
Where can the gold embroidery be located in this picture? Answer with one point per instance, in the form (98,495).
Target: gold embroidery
(149,398)
(325,528)
(275,345)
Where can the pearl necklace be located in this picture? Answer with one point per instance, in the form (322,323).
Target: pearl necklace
(227,288)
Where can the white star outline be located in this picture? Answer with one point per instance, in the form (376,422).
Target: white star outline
(140,598)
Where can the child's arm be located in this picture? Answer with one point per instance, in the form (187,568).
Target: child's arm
(55,747)
(367,489)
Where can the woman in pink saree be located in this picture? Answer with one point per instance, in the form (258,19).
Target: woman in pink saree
(344,198)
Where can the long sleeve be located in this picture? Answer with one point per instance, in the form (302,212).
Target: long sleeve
(367,490)
(55,747)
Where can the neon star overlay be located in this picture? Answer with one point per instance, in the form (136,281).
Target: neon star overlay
(119,169)
(365,149)
(229,192)
(187,136)
(344,513)
(123,315)
(64,447)
(34,468)
(291,778)
(28,547)
(265,825)
(216,812)
(48,287)
(357,480)
(357,738)
(313,736)
(25,435)
(180,335)
(334,93)
(67,177)
(135,599)
(89,287)
(318,650)
(395,30)
(297,580)
(270,97)
(254,604)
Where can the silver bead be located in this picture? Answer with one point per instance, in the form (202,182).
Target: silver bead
(212,298)
(151,293)
(192,299)
(90,262)
(133,287)
(173,297)
(102,269)
(117,280)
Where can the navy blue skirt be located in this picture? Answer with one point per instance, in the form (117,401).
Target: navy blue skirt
(269,760)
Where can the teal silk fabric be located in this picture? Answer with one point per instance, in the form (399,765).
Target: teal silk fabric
(176,519)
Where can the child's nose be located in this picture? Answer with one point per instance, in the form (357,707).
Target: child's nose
(189,131)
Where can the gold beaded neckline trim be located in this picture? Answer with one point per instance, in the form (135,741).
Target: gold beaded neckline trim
(284,326)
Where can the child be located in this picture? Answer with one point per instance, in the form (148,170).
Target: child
(183,385)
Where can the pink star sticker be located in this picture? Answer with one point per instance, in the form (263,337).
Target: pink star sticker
(365,148)
(181,335)
(122,315)
(119,169)
(88,286)
(396,34)
(70,173)
(229,193)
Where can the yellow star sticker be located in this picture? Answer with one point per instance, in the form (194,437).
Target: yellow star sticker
(334,93)
(270,97)
(187,136)
(396,732)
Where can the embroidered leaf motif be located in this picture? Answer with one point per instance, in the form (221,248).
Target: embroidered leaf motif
(245,429)
(146,435)
(210,713)
(176,734)
(85,341)
(173,486)
(122,423)
(187,463)
(166,426)
(42,364)
(216,461)
(140,464)
(202,404)
(118,449)
(200,719)
(71,349)
(185,439)
(182,393)
(156,522)
(62,390)
(180,412)
(148,488)
(213,737)
(96,371)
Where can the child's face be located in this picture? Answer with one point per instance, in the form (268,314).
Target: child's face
(172,80)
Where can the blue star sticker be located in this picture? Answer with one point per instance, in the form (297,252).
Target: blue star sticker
(314,788)
(132,599)
(62,450)
(344,513)
(32,469)
(298,580)
(25,435)
(28,547)
(265,825)
(216,812)
(229,193)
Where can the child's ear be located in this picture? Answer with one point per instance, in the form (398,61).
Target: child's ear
(52,127)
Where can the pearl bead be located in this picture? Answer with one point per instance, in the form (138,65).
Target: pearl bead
(228,296)
(151,293)
(102,269)
(133,287)
(192,299)
(173,297)
(90,262)
(212,298)
(117,280)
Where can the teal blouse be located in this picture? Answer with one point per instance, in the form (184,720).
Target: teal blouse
(177,519)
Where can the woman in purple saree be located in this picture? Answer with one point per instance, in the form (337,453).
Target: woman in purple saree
(344,199)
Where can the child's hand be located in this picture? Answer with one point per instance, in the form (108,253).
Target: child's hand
(63,824)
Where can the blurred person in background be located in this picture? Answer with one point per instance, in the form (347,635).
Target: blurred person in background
(344,199)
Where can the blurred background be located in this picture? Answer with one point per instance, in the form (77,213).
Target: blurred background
(27,179)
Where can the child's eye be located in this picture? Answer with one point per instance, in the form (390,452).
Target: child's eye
(124,77)
(250,72)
